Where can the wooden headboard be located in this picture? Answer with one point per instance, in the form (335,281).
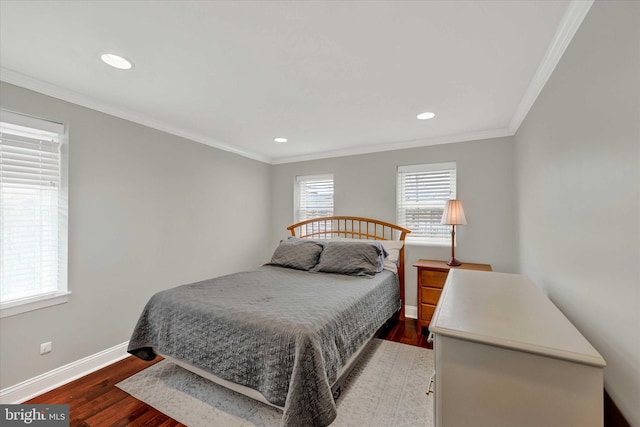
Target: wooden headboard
(354,227)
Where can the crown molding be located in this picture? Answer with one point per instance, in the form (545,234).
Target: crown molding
(449,139)
(36,85)
(569,24)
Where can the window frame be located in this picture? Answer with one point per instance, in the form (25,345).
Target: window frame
(401,219)
(61,294)
(297,196)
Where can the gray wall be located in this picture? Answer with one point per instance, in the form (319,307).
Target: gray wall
(150,210)
(365,185)
(147,211)
(578,163)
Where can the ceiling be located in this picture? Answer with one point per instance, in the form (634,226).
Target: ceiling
(334,78)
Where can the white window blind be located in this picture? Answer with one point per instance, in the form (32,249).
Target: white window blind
(422,193)
(313,197)
(32,237)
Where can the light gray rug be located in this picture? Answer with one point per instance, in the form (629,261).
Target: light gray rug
(386,388)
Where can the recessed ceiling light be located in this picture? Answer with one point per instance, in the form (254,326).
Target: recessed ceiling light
(280,140)
(425,116)
(116,61)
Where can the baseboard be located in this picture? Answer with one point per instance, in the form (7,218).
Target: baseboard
(55,378)
(411,311)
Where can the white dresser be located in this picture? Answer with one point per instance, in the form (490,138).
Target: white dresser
(506,356)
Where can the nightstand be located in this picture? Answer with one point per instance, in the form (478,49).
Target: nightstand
(431,277)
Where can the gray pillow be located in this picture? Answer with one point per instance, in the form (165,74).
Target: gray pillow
(296,253)
(364,258)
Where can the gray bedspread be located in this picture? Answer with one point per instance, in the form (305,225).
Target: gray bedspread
(283,332)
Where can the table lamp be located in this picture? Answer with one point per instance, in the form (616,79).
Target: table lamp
(453,215)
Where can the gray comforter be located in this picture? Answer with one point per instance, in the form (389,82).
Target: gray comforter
(283,332)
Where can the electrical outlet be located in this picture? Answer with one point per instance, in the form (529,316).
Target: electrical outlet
(45,347)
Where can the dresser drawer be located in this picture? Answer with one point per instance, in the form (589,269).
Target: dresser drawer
(429,295)
(426,312)
(435,279)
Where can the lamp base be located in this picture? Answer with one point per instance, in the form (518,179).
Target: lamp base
(454,262)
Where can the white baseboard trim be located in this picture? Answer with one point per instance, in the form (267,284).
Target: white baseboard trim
(411,311)
(55,378)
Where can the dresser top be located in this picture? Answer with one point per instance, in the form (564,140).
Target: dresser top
(508,310)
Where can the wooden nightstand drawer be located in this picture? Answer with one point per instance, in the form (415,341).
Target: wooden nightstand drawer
(431,277)
(435,279)
(426,312)
(429,295)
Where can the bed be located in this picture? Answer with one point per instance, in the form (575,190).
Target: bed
(287,333)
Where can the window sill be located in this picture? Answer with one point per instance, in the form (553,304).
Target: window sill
(432,244)
(12,308)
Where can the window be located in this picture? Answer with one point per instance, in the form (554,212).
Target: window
(313,197)
(422,193)
(33,214)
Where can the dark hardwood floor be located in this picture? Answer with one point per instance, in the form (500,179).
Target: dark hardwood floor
(405,332)
(94,400)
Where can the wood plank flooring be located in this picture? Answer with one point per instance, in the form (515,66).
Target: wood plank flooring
(406,332)
(95,401)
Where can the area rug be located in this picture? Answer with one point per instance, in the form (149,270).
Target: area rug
(386,388)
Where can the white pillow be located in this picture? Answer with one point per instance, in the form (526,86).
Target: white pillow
(393,249)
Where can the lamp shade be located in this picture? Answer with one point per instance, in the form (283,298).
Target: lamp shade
(453,213)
